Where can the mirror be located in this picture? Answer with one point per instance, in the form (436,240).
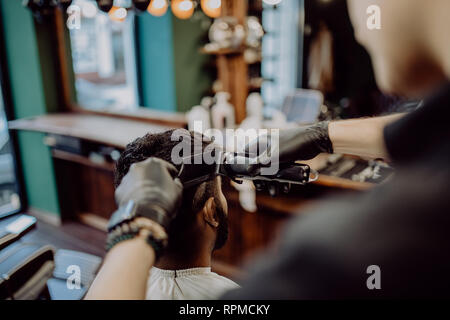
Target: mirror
(159,62)
(10,201)
(139,60)
(336,64)
(103,59)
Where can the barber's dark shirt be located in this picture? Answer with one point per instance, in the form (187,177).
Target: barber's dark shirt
(402,227)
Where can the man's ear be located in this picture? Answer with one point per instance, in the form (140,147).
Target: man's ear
(209,213)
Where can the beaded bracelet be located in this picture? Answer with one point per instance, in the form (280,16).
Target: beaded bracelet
(154,234)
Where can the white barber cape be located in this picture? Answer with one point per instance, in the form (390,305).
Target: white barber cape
(189,284)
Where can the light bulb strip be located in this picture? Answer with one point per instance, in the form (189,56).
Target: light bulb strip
(161,9)
(107,6)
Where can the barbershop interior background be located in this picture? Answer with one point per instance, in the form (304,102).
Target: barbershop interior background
(81,82)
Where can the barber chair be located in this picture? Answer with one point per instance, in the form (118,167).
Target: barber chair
(61,286)
(30,271)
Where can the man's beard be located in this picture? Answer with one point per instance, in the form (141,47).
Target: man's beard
(222,229)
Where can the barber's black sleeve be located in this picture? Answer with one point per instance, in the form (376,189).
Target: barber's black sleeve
(421,132)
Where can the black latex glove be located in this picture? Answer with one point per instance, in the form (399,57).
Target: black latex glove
(151,186)
(303,143)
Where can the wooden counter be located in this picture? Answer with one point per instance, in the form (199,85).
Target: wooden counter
(106,130)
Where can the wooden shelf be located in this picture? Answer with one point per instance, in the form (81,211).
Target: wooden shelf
(67,156)
(163,118)
(341,183)
(232,69)
(256,62)
(227,51)
(255,83)
(320,162)
(106,130)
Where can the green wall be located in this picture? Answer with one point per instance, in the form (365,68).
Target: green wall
(191,78)
(172,71)
(33,94)
(156,68)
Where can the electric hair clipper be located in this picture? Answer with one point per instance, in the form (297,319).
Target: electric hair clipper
(195,171)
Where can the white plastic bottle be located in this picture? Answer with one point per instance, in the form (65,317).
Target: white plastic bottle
(198,119)
(222,112)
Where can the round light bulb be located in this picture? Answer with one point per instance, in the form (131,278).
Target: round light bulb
(158,8)
(88,9)
(183,9)
(212,8)
(272,2)
(118,14)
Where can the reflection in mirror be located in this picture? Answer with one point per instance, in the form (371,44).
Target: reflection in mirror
(306,47)
(9,195)
(282,52)
(124,59)
(104,59)
(337,65)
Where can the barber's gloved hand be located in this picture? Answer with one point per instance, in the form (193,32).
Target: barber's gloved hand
(152,187)
(303,143)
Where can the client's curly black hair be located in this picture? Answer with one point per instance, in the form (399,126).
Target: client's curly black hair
(160,145)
